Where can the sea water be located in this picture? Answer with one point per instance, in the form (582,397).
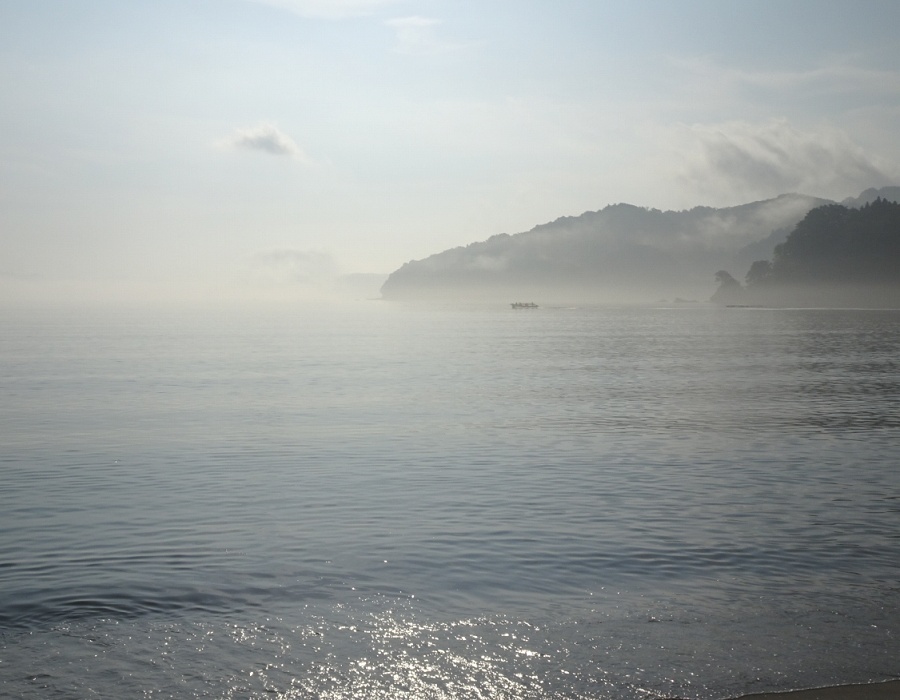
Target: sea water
(378,500)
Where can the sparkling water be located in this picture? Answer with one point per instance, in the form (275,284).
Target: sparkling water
(384,501)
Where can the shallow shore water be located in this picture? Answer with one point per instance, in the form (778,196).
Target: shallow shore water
(867,691)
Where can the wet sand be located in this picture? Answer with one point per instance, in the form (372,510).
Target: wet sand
(868,691)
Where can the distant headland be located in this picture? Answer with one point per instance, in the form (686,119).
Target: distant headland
(625,253)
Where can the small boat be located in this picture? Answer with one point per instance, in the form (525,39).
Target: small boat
(524,305)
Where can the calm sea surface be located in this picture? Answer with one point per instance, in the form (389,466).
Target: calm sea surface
(387,501)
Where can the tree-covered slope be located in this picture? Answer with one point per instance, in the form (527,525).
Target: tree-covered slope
(620,252)
(835,255)
(835,244)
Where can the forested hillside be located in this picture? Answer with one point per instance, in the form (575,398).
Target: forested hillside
(836,254)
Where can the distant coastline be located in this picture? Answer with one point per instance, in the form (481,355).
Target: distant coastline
(626,254)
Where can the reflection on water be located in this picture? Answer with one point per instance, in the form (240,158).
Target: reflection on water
(383,501)
(382,648)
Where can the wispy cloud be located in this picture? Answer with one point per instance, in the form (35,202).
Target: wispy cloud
(329,9)
(740,159)
(289,266)
(839,77)
(418,35)
(267,138)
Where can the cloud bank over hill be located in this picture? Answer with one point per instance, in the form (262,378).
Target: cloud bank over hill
(740,158)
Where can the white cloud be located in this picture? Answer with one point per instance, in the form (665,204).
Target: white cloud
(329,9)
(840,77)
(417,35)
(740,160)
(268,138)
(289,266)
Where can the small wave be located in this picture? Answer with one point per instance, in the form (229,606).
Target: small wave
(45,608)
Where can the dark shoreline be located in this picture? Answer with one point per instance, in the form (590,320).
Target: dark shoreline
(888,690)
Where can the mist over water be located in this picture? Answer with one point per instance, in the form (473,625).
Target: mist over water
(380,500)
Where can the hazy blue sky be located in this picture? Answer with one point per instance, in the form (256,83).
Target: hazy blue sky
(215,145)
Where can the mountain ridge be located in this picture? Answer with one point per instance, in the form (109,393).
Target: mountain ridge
(622,252)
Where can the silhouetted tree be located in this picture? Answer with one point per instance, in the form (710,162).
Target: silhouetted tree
(837,245)
(730,290)
(760,272)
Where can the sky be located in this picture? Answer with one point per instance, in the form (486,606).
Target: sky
(193,148)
